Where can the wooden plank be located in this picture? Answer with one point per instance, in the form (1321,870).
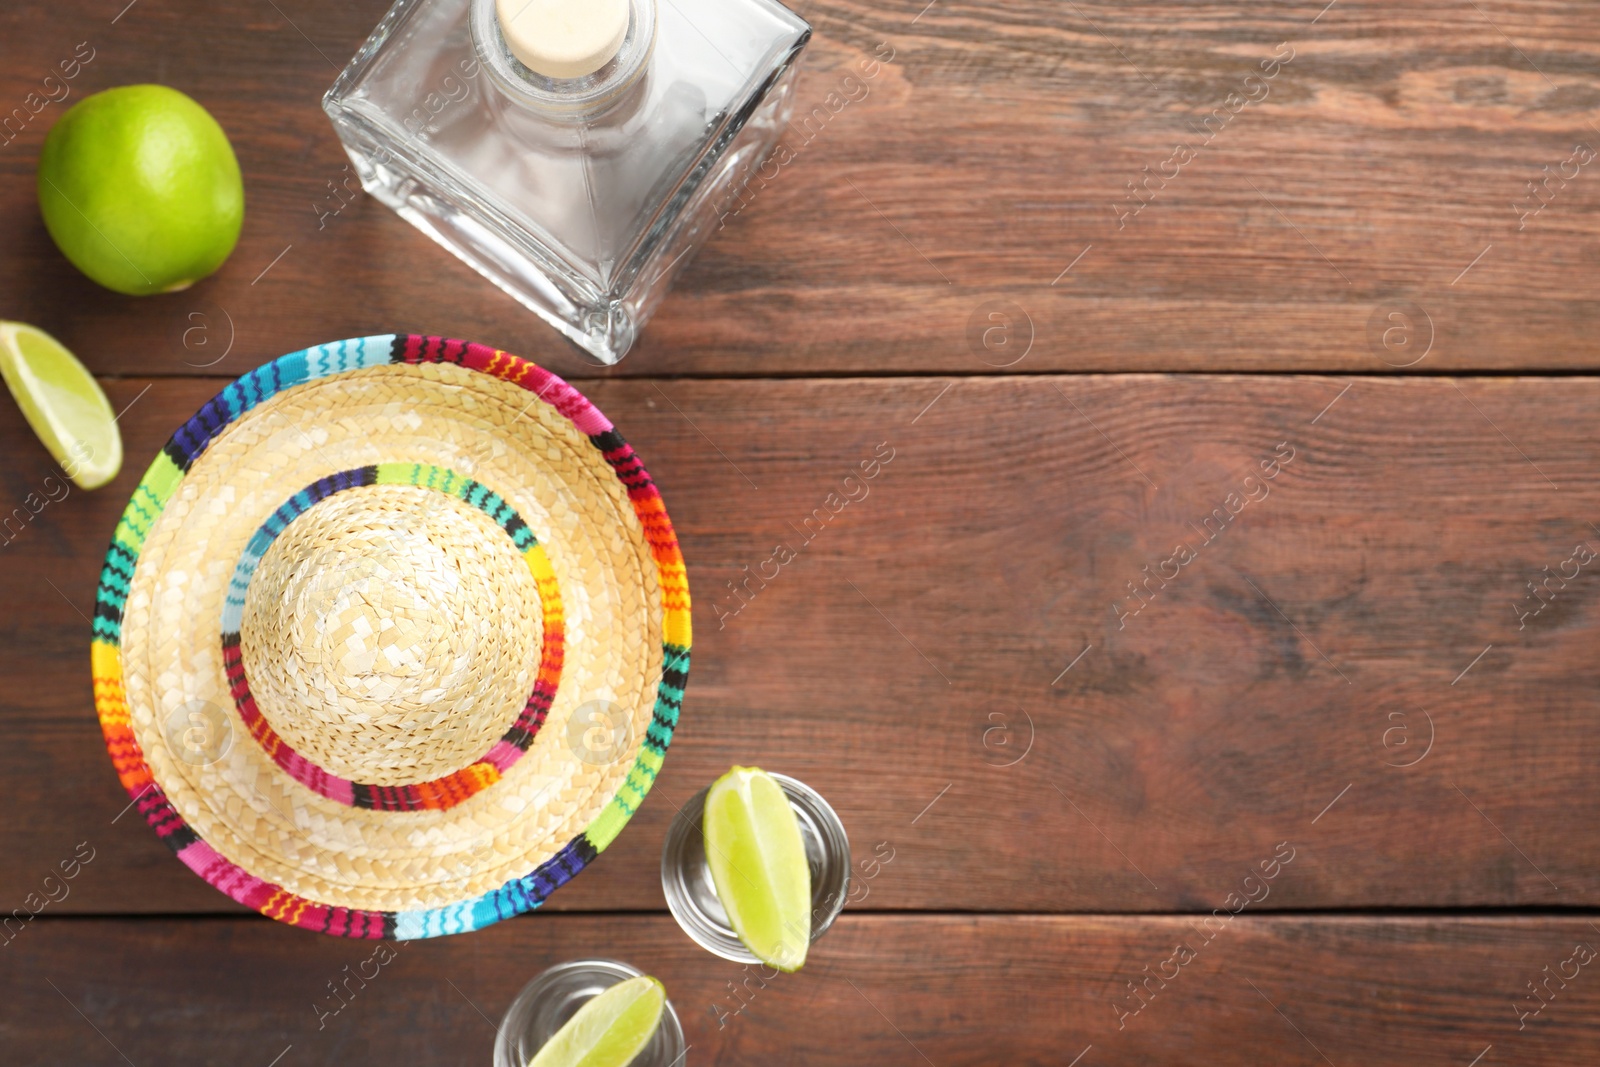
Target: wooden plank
(1384,169)
(1279,688)
(878,989)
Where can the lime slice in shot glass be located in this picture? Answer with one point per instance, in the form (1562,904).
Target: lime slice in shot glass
(758,864)
(610,1030)
(63,403)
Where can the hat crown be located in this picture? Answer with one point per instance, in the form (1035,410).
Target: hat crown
(391,634)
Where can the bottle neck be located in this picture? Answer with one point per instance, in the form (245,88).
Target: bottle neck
(566,99)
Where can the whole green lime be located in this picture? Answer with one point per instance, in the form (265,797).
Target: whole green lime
(140,189)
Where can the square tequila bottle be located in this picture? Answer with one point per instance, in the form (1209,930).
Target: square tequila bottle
(573,152)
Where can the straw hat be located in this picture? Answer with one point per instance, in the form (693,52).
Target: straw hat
(392,637)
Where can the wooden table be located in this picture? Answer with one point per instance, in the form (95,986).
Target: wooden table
(1083,268)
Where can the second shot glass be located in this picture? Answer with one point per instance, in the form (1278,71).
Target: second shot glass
(692,896)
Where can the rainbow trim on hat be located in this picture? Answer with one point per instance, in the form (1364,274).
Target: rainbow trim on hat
(156,488)
(448,790)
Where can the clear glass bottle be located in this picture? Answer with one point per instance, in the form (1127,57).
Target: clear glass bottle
(692,895)
(579,196)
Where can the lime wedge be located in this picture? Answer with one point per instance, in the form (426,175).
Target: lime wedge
(63,404)
(610,1030)
(758,864)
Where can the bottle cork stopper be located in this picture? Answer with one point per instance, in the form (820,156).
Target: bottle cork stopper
(563,38)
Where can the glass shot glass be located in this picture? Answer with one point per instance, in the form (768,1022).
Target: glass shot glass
(692,895)
(547,1002)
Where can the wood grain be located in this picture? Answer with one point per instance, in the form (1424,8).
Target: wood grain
(909,990)
(1358,708)
(1279,688)
(1378,171)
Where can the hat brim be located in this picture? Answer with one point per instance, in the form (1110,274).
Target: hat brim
(260,834)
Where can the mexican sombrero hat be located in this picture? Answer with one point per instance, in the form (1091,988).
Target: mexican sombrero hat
(392,637)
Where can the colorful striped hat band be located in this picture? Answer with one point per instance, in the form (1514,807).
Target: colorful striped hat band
(392,637)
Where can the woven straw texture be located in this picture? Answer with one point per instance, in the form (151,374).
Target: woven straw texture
(391,634)
(396,574)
